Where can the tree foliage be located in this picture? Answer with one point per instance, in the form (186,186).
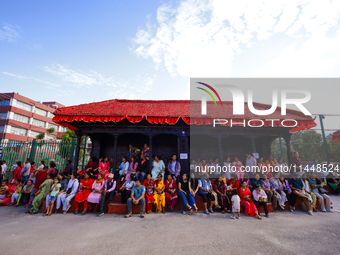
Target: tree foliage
(50,130)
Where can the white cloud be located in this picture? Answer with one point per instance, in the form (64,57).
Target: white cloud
(9,33)
(201,38)
(111,87)
(19,76)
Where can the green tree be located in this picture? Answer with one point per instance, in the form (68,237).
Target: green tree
(41,136)
(69,135)
(50,130)
(309,145)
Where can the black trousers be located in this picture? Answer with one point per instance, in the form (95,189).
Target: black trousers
(291,198)
(258,204)
(206,196)
(25,197)
(125,195)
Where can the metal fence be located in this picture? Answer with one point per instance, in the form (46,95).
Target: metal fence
(60,151)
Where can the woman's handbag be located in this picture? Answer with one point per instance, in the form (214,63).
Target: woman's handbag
(37,193)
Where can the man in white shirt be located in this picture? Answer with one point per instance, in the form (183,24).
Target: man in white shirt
(4,167)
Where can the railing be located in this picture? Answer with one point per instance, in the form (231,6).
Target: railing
(60,151)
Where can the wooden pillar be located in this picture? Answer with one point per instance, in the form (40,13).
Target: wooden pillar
(220,149)
(150,152)
(289,149)
(178,147)
(115,152)
(76,155)
(253,144)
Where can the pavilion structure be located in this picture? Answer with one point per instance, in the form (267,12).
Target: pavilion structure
(176,127)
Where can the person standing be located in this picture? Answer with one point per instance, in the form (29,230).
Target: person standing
(250,165)
(143,168)
(69,167)
(174,167)
(235,203)
(25,172)
(108,193)
(158,168)
(238,167)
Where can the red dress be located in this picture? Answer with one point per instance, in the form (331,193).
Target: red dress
(7,199)
(16,174)
(171,199)
(82,194)
(250,207)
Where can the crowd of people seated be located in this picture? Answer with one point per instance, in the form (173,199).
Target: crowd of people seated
(164,185)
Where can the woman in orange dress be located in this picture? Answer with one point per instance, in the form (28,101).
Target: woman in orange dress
(246,201)
(148,183)
(84,191)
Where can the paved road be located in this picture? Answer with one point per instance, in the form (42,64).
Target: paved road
(173,233)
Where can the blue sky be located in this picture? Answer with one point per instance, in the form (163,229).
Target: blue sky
(83,51)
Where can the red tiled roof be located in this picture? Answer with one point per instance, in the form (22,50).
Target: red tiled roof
(169,111)
(336,136)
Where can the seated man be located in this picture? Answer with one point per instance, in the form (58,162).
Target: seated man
(205,192)
(109,192)
(298,188)
(137,197)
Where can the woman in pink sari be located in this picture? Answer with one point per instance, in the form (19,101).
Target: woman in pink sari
(246,201)
(238,164)
(97,190)
(104,167)
(171,192)
(132,168)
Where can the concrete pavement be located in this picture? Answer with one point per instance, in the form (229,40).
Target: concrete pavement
(172,233)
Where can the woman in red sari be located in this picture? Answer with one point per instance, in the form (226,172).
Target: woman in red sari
(171,192)
(246,201)
(84,191)
(7,199)
(148,183)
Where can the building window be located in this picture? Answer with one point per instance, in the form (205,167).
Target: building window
(33,134)
(5,102)
(21,118)
(3,115)
(50,137)
(53,126)
(23,106)
(40,112)
(18,131)
(38,123)
(50,115)
(2,129)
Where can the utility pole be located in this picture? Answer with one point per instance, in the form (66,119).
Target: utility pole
(324,138)
(281,147)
